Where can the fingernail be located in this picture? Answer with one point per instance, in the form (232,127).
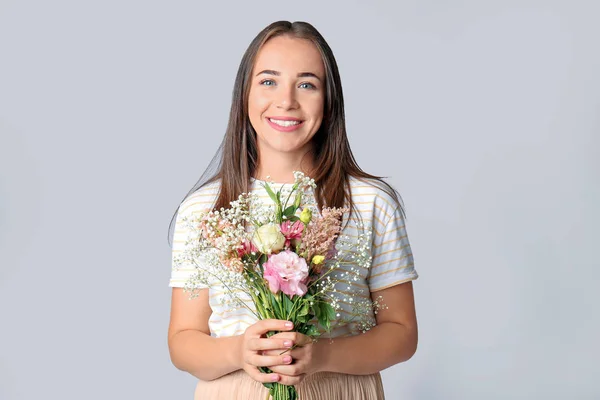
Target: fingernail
(289,325)
(287,343)
(274,378)
(287,359)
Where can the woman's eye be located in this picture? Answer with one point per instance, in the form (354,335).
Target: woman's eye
(307,85)
(267,82)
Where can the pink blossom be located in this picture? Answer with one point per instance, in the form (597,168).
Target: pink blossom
(286,271)
(234,264)
(292,231)
(247,247)
(204,228)
(213,232)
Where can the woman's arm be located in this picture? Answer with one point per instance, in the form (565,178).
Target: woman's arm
(392,341)
(193,350)
(191,347)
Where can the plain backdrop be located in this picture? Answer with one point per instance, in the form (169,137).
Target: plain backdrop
(483,114)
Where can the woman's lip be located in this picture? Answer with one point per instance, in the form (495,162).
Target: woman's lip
(285,118)
(285,128)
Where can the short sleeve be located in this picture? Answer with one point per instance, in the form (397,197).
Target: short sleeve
(392,261)
(183,237)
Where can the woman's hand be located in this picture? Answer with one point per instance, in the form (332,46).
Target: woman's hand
(305,358)
(259,351)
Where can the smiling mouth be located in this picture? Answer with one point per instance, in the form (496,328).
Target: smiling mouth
(285,123)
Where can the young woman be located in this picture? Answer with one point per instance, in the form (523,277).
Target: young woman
(287,115)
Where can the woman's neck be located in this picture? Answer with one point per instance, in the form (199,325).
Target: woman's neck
(280,168)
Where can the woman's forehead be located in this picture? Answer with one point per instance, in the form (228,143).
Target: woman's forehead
(289,56)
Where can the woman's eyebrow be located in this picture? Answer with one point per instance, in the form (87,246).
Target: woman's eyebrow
(300,75)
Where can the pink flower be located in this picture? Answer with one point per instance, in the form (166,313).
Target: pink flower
(214,232)
(286,271)
(234,264)
(204,228)
(247,247)
(292,231)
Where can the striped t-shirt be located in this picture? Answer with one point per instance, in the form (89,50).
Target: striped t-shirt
(392,259)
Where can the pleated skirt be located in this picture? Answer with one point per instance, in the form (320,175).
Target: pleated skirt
(239,385)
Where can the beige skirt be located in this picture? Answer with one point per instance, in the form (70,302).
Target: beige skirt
(318,386)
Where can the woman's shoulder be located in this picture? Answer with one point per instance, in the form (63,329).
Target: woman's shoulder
(201,199)
(379,192)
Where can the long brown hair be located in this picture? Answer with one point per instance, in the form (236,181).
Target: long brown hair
(237,158)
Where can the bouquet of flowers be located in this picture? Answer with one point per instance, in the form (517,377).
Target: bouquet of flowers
(283,255)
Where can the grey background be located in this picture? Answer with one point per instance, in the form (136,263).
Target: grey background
(484,114)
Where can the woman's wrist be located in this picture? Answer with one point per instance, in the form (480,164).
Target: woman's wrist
(237,353)
(322,349)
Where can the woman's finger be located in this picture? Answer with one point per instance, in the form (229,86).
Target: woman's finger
(269,344)
(291,380)
(277,352)
(299,338)
(294,369)
(266,325)
(261,376)
(267,361)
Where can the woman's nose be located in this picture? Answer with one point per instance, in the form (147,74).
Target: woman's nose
(287,98)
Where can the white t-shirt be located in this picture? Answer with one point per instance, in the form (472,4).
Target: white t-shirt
(392,259)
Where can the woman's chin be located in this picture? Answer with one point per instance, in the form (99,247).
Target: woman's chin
(284,147)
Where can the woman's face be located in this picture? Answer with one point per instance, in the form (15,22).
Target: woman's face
(287,94)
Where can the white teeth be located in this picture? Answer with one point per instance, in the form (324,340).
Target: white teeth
(284,123)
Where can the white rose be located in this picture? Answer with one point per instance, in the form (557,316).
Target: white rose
(268,238)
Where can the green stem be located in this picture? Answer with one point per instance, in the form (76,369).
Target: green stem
(280,304)
(295,307)
(290,195)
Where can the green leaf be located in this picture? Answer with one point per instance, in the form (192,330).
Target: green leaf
(311,330)
(317,309)
(304,319)
(261,260)
(304,309)
(288,212)
(275,304)
(298,200)
(325,314)
(288,304)
(329,311)
(323,321)
(271,193)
